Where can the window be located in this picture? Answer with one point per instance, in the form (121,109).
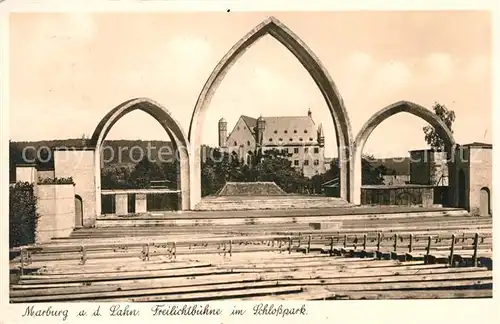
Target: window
(291,139)
(270,140)
(316,162)
(306,162)
(248,143)
(235,143)
(275,132)
(296,150)
(280,139)
(316,150)
(310,138)
(301,139)
(295,131)
(284,151)
(306,150)
(286,132)
(296,162)
(305,131)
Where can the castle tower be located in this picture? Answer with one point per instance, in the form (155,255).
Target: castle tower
(261,126)
(222,133)
(321,136)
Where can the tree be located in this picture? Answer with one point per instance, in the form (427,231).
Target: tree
(432,137)
(371,175)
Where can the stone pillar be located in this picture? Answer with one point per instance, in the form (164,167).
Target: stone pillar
(141,203)
(194,178)
(121,204)
(26,173)
(357,177)
(452,162)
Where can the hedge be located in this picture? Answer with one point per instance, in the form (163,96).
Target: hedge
(56,181)
(23,216)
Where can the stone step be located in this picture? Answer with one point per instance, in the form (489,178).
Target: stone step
(233,221)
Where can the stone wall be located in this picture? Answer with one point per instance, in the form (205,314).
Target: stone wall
(56,207)
(480,176)
(397,195)
(79,164)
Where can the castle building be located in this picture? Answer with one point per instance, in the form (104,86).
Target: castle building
(296,135)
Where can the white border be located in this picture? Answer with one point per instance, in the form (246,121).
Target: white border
(433,311)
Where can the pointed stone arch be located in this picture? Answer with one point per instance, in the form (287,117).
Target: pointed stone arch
(310,62)
(171,126)
(389,111)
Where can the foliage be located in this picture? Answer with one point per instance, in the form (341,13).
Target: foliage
(140,176)
(271,166)
(23,215)
(57,181)
(220,167)
(372,175)
(432,137)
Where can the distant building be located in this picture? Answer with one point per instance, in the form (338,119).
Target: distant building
(428,167)
(297,135)
(395,179)
(474,164)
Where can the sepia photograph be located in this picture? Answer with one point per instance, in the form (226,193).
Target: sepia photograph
(249,156)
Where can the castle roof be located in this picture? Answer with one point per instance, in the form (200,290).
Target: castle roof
(285,129)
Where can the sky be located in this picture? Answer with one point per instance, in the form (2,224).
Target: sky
(67,70)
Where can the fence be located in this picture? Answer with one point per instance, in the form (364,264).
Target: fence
(454,248)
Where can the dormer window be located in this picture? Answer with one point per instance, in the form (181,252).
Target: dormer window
(286,132)
(235,143)
(310,138)
(280,139)
(295,131)
(305,131)
(248,143)
(301,139)
(270,140)
(291,139)
(275,132)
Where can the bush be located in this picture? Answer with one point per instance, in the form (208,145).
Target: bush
(23,216)
(56,181)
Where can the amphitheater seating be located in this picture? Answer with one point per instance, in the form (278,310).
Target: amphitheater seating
(246,276)
(403,253)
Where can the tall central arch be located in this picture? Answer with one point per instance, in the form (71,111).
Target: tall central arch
(311,63)
(171,126)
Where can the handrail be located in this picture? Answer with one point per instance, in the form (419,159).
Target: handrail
(277,243)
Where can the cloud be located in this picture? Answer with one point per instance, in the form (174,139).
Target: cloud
(439,68)
(186,55)
(392,75)
(189,48)
(477,67)
(359,62)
